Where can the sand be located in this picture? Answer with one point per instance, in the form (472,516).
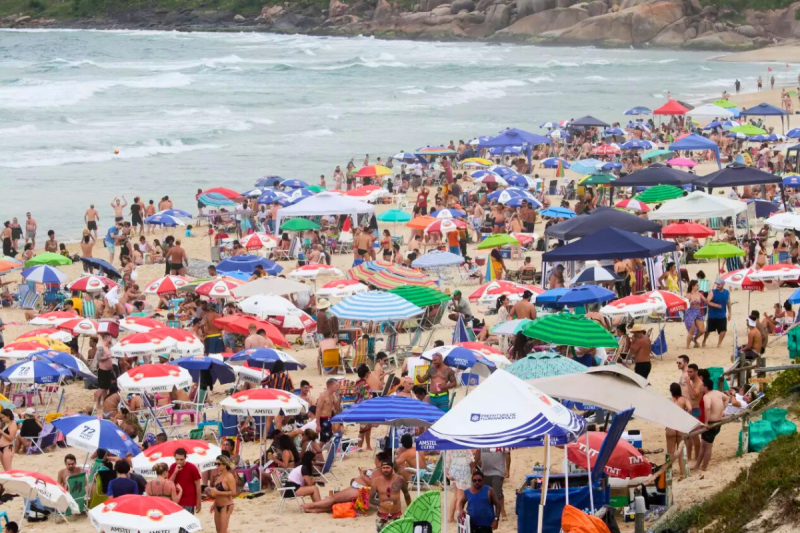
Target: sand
(262,513)
(779,54)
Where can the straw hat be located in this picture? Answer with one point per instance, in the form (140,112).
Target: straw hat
(322,303)
(416,350)
(638,328)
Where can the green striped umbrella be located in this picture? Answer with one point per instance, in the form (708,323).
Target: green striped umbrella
(659,193)
(394,215)
(496,241)
(48,258)
(545,365)
(316,188)
(419,295)
(655,154)
(719,250)
(566,329)
(597,179)
(299,224)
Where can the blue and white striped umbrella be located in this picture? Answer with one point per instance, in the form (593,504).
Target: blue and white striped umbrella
(736,135)
(560,134)
(45,274)
(35,372)
(587,166)
(637,144)
(480,174)
(728,124)
(639,126)
(520,201)
(255,193)
(299,195)
(518,180)
(294,184)
(508,150)
(175,213)
(552,162)
(711,125)
(549,125)
(168,221)
(460,357)
(76,365)
(613,132)
(611,166)
(639,110)
(514,197)
(437,259)
(793,133)
(91,433)
(270,196)
(405,157)
(448,213)
(265,358)
(375,306)
(267,181)
(398,410)
(502,170)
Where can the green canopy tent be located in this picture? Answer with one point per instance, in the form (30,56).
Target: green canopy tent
(659,194)
(566,329)
(48,258)
(544,365)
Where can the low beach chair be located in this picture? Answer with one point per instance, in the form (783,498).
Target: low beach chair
(431,477)
(286,493)
(332,448)
(76,485)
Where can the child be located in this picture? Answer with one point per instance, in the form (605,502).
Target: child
(188,232)
(62,248)
(173,322)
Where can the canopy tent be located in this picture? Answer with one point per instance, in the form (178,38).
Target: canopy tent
(738,174)
(325,203)
(696,142)
(610,243)
(711,110)
(616,388)
(588,121)
(765,110)
(672,107)
(515,137)
(697,204)
(599,218)
(654,175)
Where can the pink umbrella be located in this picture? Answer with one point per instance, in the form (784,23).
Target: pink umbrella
(681,162)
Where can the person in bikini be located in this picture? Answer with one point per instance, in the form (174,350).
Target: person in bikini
(223,491)
(8,433)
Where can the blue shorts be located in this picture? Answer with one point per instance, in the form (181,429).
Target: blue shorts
(696,412)
(455,250)
(214,344)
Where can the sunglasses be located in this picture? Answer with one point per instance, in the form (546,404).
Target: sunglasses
(477,480)
(217,464)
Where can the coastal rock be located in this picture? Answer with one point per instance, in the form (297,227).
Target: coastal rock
(430,5)
(270,13)
(530,7)
(498,16)
(720,41)
(695,6)
(336,9)
(672,35)
(748,31)
(627,4)
(461,5)
(690,33)
(440,11)
(383,11)
(239,18)
(553,19)
(778,22)
(484,5)
(597,8)
(24,18)
(566,3)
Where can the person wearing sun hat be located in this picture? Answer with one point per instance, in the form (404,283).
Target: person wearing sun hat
(325,325)
(640,348)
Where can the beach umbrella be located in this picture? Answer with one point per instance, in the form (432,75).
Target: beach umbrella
(597,179)
(437,259)
(793,133)
(45,274)
(373,171)
(143,344)
(521,181)
(511,327)
(659,194)
(497,240)
(9,264)
(90,433)
(672,301)
(748,129)
(549,125)
(270,196)
(90,283)
(21,349)
(265,358)
(461,358)
(294,184)
(639,110)
(67,360)
(513,193)
(719,250)
(740,279)
(445,225)
(656,154)
(480,160)
(375,307)
(152,378)
(223,192)
(218,370)
(299,224)
(48,258)
(394,215)
(625,462)
(681,162)
(175,213)
(491,177)
(258,241)
(142,514)
(488,293)
(477,174)
(81,326)
(218,288)
(101,264)
(587,166)
(30,372)
(777,272)
(240,324)
(595,274)
(420,296)
(316,188)
(257,192)
(296,323)
(342,288)
(784,221)
(550,298)
(632,205)
(185,342)
(507,150)
(525,239)
(435,150)
(607,149)
(395,410)
(35,485)
(544,365)
(268,181)
(687,229)
(586,294)
(420,223)
(558,212)
(725,104)
(634,306)
(243,266)
(637,144)
(405,157)
(312,271)
(267,304)
(50,333)
(553,162)
(792,180)
(559,134)
(166,286)
(299,195)
(168,221)
(263,402)
(734,135)
(200,453)
(566,329)
(391,278)
(448,213)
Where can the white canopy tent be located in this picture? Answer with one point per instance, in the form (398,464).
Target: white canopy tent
(325,204)
(697,204)
(710,110)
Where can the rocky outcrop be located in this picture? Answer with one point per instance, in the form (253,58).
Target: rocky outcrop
(727,40)
(498,16)
(461,5)
(530,7)
(554,19)
(776,22)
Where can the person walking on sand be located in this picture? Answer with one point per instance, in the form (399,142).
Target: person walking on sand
(30,230)
(137,210)
(118,208)
(714,403)
(719,311)
(91,218)
(388,486)
(772,82)
(673,437)
(177,259)
(760,83)
(738,86)
(480,502)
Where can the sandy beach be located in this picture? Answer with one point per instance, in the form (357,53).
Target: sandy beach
(779,54)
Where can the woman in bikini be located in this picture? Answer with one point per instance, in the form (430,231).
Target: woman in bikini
(7,435)
(161,486)
(223,490)
(693,319)
(674,438)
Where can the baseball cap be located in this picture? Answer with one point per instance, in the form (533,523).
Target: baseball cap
(751,322)
(719,281)
(30,411)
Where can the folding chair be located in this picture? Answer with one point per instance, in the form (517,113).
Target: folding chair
(47,437)
(76,485)
(659,346)
(332,447)
(347,393)
(28,297)
(463,525)
(331,358)
(101,481)
(360,352)
(427,477)
(386,388)
(286,493)
(419,371)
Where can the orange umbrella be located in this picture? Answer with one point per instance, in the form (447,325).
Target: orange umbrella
(420,222)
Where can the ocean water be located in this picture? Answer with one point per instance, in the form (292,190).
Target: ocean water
(197,110)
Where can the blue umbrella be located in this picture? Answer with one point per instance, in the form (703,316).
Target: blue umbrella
(587,166)
(586,294)
(518,201)
(510,192)
(91,433)
(517,180)
(483,173)
(64,359)
(793,133)
(101,264)
(764,208)
(558,212)
(294,184)
(247,263)
(266,358)
(611,166)
(461,358)
(637,144)
(550,298)
(270,196)
(461,333)
(168,221)
(390,409)
(792,180)
(794,297)
(713,124)
(448,213)
(220,371)
(613,131)
(267,181)
(405,157)
(552,162)
(639,110)
(549,125)
(45,274)
(238,274)
(35,372)
(502,170)
(175,213)
(508,150)
(560,134)
(437,259)
(255,193)
(299,195)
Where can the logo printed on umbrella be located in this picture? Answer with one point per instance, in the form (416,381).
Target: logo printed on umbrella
(87,433)
(137,377)
(155,515)
(154,457)
(199,450)
(545,400)
(107,508)
(174,373)
(242,399)
(477,417)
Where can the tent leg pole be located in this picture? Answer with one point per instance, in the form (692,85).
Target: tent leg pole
(566,477)
(444,492)
(589,468)
(416,456)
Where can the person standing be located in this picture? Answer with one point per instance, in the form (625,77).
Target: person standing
(482,505)
(719,311)
(760,83)
(495,464)
(223,491)
(105,370)
(51,244)
(422,201)
(122,484)
(212,334)
(772,82)
(714,403)
(674,437)
(442,379)
(161,486)
(187,477)
(8,434)
(91,217)
(388,486)
(30,230)
(177,260)
(641,348)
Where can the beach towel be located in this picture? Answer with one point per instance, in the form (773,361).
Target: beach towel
(576,521)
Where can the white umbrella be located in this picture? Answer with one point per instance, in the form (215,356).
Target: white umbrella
(783,221)
(710,110)
(142,514)
(31,485)
(267,305)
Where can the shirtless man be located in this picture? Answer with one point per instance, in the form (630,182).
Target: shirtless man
(30,230)
(267,341)
(641,350)
(71,469)
(118,208)
(752,350)
(408,457)
(91,218)
(87,245)
(692,390)
(211,333)
(714,403)
(177,259)
(328,404)
(442,379)
(524,308)
(305,394)
(388,487)
(363,243)
(253,340)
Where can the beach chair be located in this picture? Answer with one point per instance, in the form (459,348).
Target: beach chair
(286,493)
(347,392)
(389,378)
(463,525)
(28,297)
(659,345)
(419,371)
(527,277)
(469,379)
(47,437)
(76,485)
(331,358)
(332,448)
(426,507)
(101,481)
(733,263)
(552,187)
(704,285)
(428,478)
(360,353)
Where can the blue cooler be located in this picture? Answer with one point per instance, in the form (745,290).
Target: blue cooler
(634,437)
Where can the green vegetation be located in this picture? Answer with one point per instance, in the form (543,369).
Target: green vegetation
(741,5)
(772,480)
(797,13)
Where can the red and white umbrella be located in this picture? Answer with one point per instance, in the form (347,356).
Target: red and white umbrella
(257,241)
(22,349)
(90,283)
(488,293)
(626,462)
(777,272)
(636,305)
(81,326)
(341,288)
(154,378)
(50,333)
(186,343)
(53,318)
(32,485)
(607,149)
(218,288)
(491,177)
(143,344)
(633,205)
(740,279)
(133,513)
(525,238)
(263,402)
(367,193)
(445,225)
(198,452)
(672,301)
(140,324)
(687,229)
(312,271)
(267,305)
(294,323)
(166,285)
(481,348)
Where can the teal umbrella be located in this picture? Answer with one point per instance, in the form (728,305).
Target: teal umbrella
(544,365)
(511,327)
(299,224)
(655,154)
(394,215)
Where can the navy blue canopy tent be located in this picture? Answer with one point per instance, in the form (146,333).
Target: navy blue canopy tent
(793,153)
(696,142)
(738,174)
(610,243)
(765,110)
(587,121)
(654,175)
(516,137)
(600,217)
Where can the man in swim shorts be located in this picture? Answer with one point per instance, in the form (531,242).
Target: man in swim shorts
(714,403)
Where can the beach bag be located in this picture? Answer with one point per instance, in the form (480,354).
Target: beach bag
(362,501)
(344,510)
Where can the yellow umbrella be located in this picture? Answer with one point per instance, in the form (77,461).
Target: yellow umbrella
(479,160)
(52,343)
(373,171)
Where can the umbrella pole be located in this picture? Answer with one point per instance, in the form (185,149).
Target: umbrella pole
(416,456)
(444,491)
(589,468)
(566,476)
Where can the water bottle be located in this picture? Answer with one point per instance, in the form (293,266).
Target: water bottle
(538,470)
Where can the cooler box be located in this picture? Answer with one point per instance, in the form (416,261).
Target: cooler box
(634,437)
(527,505)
